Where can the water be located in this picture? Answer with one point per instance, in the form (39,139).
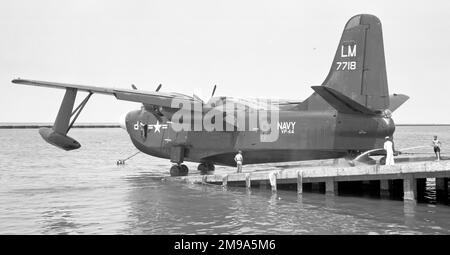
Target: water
(44,190)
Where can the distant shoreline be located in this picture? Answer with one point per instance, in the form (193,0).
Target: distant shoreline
(40,125)
(425,125)
(113,125)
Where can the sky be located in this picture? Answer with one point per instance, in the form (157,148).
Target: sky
(266,49)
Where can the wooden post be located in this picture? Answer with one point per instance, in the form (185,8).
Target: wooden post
(409,188)
(262,185)
(248,183)
(225,181)
(384,188)
(204,179)
(421,185)
(299,182)
(331,187)
(273,181)
(441,189)
(315,186)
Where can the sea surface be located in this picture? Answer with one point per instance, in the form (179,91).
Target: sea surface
(45,190)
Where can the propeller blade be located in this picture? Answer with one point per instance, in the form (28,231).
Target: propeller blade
(158,88)
(134,87)
(214,90)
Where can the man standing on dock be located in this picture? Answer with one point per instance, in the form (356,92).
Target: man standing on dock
(389,147)
(437,147)
(238,158)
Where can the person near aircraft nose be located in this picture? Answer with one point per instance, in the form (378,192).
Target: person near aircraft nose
(389,147)
(238,158)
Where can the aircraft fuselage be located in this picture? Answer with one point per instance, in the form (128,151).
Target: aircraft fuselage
(302,135)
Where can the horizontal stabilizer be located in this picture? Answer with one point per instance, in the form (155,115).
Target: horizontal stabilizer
(396,100)
(340,102)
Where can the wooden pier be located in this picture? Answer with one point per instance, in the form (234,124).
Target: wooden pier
(410,175)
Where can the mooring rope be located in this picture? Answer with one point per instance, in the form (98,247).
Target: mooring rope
(122,161)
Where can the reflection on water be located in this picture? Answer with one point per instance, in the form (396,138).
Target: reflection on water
(44,190)
(409,208)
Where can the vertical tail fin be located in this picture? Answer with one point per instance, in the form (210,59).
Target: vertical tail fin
(358,70)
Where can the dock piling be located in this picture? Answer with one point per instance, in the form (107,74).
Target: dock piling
(384,188)
(315,186)
(409,188)
(248,183)
(331,187)
(299,182)
(441,189)
(273,181)
(225,181)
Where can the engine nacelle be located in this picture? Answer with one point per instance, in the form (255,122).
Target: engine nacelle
(59,140)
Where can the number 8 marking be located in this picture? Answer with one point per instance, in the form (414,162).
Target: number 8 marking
(346,65)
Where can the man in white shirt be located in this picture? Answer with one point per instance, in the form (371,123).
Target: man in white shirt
(437,147)
(238,158)
(389,148)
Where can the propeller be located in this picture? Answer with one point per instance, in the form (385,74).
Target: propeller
(214,90)
(157,89)
(197,98)
(156,108)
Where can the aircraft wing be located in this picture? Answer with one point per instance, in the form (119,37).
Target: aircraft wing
(146,97)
